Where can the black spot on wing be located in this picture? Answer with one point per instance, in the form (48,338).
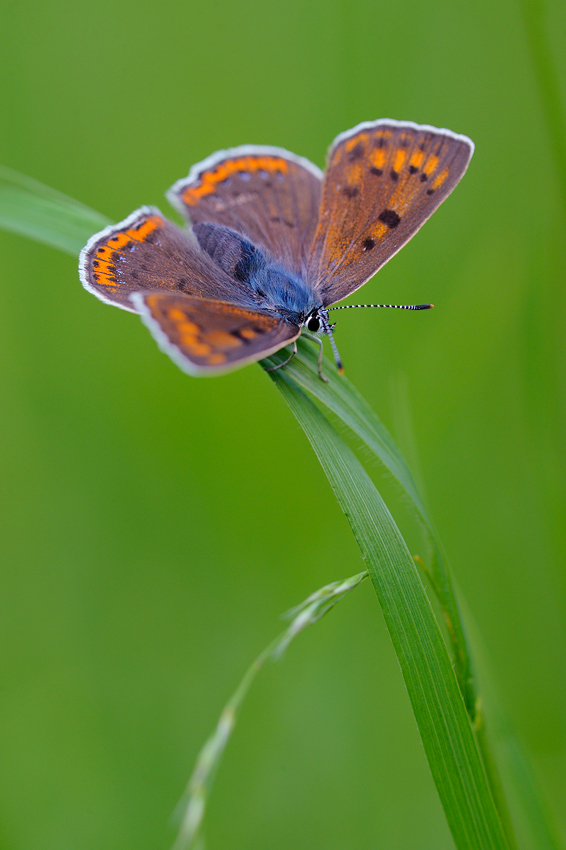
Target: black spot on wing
(389,218)
(357,152)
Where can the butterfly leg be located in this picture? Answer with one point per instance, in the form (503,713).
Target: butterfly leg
(288,360)
(320,353)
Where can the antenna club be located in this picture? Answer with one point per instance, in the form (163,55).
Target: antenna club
(341,370)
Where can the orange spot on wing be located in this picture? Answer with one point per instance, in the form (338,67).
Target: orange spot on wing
(210,179)
(176,315)
(196,348)
(221,339)
(216,359)
(378,157)
(430,164)
(188,328)
(416,159)
(399,161)
(140,233)
(103,271)
(379,230)
(350,144)
(440,179)
(105,278)
(248,333)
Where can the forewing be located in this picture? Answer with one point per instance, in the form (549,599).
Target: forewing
(147,252)
(206,337)
(267,194)
(384,179)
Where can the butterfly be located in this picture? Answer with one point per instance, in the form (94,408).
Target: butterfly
(273,242)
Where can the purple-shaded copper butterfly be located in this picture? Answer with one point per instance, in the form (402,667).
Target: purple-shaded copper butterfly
(273,241)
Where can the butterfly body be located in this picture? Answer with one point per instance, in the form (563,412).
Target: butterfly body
(276,289)
(273,242)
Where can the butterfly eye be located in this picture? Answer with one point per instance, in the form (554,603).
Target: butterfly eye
(313,324)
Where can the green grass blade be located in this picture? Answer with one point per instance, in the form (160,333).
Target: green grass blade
(536,822)
(345,402)
(437,702)
(548,81)
(342,398)
(32,209)
(193,805)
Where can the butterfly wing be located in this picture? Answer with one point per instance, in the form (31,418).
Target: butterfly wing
(384,179)
(204,337)
(147,252)
(267,194)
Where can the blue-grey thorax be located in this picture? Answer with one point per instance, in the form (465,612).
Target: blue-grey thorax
(283,292)
(271,287)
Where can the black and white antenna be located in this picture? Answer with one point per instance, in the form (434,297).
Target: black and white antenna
(393,306)
(327,327)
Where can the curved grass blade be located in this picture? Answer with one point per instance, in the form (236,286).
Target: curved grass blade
(439,709)
(345,401)
(195,799)
(30,208)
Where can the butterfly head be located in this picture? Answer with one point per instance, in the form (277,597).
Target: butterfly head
(318,323)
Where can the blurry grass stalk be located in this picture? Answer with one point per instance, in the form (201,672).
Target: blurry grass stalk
(30,208)
(440,687)
(535,18)
(192,806)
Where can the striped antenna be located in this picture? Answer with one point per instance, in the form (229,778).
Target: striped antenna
(326,327)
(394,306)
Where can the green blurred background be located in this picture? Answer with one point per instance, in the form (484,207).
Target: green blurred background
(154,526)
